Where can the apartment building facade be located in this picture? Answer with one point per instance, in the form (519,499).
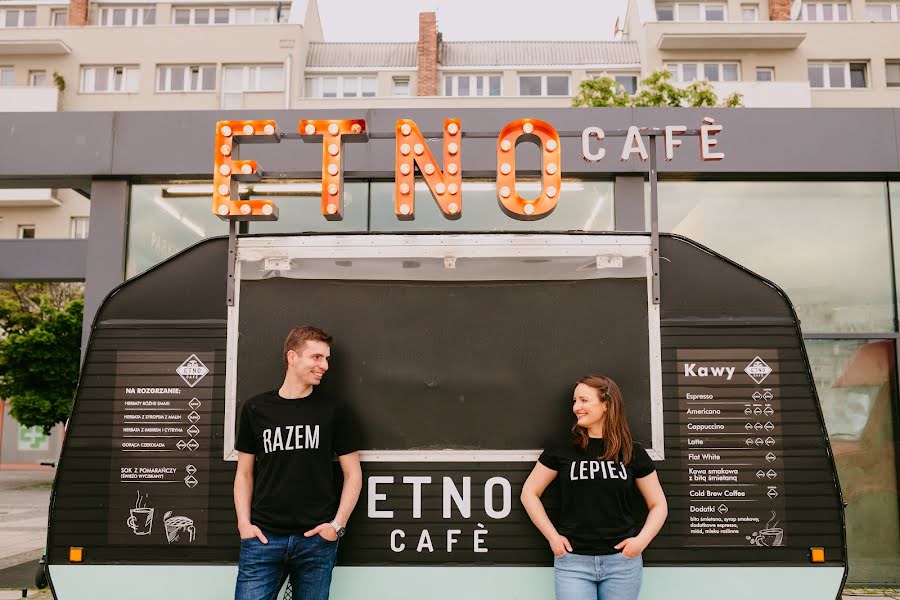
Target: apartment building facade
(777,53)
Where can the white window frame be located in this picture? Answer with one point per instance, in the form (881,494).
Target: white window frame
(817,9)
(252,72)
(12,72)
(130,73)
(473,78)
(79,228)
(20,232)
(767,70)
(135,16)
(57,12)
(32,76)
(164,79)
(888,83)
(544,77)
(318,85)
(678,71)
(255,14)
(400,81)
(702,6)
(893,7)
(752,7)
(616,74)
(826,75)
(20,18)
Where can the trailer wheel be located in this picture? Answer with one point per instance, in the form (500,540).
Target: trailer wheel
(40,577)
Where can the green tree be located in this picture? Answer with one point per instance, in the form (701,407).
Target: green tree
(40,345)
(656,90)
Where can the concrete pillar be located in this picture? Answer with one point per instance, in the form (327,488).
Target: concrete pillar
(628,195)
(106,247)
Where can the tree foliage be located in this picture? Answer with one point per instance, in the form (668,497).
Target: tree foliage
(40,346)
(656,90)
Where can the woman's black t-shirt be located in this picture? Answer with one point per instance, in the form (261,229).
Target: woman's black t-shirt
(295,442)
(596,510)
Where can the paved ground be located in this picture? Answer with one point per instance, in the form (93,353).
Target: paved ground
(24,500)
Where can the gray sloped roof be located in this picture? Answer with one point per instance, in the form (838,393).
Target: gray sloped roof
(463,54)
(341,55)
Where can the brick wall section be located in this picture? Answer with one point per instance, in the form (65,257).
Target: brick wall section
(427,54)
(780,10)
(78,13)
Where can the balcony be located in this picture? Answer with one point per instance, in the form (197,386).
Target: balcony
(768,94)
(31,197)
(29,99)
(765,35)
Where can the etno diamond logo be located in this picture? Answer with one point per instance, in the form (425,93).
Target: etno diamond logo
(192,370)
(758,370)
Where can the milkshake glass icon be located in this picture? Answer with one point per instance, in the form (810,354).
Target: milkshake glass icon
(141,520)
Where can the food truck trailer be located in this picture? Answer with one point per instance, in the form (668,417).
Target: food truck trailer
(457,351)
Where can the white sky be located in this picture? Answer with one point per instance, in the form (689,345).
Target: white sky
(469,20)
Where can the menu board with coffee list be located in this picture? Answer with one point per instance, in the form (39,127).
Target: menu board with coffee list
(730,421)
(159,475)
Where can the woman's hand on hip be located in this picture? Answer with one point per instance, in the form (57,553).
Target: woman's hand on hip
(560,545)
(631,547)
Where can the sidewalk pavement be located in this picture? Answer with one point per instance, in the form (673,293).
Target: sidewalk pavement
(24,504)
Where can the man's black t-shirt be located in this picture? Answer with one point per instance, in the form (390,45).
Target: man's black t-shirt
(294,442)
(596,512)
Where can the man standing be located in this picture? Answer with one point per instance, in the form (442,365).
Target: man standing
(288,512)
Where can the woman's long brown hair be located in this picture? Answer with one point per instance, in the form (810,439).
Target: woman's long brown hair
(615,425)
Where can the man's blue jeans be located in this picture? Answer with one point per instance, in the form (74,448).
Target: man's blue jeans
(262,568)
(605,577)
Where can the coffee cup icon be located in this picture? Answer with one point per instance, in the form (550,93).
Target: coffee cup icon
(141,521)
(772,536)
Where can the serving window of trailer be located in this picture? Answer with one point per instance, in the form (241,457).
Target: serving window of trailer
(453,347)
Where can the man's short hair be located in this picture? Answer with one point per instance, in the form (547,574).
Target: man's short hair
(301,334)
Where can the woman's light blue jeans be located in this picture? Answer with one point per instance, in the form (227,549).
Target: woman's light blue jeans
(604,577)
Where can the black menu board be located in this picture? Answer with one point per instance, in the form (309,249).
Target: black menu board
(731,446)
(159,483)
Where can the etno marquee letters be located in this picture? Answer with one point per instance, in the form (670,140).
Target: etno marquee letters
(444,180)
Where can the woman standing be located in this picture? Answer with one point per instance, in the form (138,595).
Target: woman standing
(597,545)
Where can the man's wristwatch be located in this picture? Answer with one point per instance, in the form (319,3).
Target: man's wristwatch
(340,531)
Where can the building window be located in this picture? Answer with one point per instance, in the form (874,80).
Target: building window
(18,17)
(25,232)
(691,11)
(837,75)
(400,86)
(127,16)
(892,73)
(472,85)
(343,86)
(883,12)
(825,11)
(37,78)
(628,81)
(59,18)
(259,15)
(543,85)
(78,228)
(765,73)
(7,76)
(110,79)
(252,78)
(749,13)
(688,72)
(186,78)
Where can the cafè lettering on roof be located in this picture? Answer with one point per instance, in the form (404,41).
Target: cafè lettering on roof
(444,180)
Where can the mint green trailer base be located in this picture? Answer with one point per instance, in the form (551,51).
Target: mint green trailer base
(194,582)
